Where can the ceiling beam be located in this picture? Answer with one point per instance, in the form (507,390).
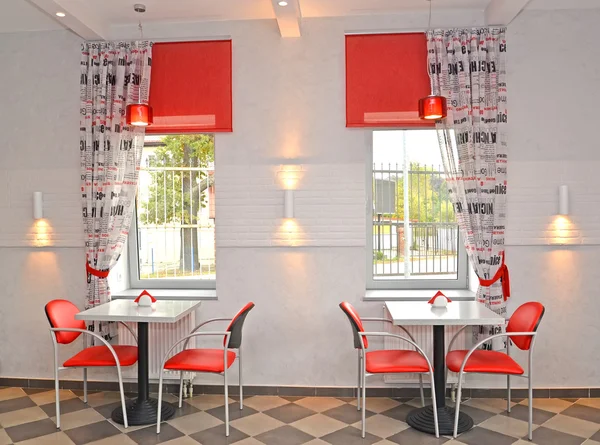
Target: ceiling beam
(502,12)
(79,21)
(288,17)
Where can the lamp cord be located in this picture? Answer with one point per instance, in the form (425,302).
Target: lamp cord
(141,28)
(427,35)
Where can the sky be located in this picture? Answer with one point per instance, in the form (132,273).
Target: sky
(422,146)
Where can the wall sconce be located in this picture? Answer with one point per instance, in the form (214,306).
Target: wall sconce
(288,204)
(38,205)
(563,200)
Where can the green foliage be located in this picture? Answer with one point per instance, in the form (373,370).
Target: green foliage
(428,198)
(378,255)
(177,196)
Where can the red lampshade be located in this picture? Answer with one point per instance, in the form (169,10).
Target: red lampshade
(139,115)
(433,107)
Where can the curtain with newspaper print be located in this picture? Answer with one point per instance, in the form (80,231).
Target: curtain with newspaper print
(113,75)
(468,67)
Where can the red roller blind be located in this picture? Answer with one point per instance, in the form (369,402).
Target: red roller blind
(386,75)
(190,88)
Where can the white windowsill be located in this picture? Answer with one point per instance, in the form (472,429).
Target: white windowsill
(417,294)
(168,294)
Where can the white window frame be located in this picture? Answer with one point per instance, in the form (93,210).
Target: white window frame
(135,282)
(462,281)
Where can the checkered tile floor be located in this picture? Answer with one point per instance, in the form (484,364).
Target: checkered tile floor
(27,417)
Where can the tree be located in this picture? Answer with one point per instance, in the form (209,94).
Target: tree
(428,197)
(178,192)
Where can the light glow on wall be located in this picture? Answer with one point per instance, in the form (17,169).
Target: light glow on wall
(289,232)
(43,265)
(290,176)
(561,230)
(41,233)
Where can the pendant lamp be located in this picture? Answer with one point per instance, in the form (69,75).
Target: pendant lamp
(139,115)
(432,107)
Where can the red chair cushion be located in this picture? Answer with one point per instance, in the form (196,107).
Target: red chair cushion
(61,314)
(526,318)
(493,362)
(101,356)
(378,362)
(200,360)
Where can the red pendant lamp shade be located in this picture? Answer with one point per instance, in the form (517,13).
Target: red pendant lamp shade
(433,107)
(139,115)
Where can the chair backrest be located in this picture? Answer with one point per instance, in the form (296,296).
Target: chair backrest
(526,318)
(236,325)
(61,314)
(355,322)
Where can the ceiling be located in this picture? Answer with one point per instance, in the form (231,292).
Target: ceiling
(38,15)
(331,8)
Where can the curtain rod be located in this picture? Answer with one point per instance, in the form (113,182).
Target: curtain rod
(415,30)
(168,39)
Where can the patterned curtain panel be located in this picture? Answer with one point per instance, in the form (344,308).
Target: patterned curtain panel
(113,75)
(468,67)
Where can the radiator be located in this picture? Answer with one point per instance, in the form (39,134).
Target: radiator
(161,336)
(423,336)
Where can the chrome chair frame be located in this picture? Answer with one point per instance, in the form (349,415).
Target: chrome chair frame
(226,348)
(363,374)
(58,368)
(528,376)
(360,358)
(238,358)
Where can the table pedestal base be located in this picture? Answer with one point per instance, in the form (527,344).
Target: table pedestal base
(422,419)
(143,413)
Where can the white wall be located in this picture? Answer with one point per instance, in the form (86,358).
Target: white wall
(39,122)
(289,108)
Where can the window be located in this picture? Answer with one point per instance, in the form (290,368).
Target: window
(413,235)
(175,214)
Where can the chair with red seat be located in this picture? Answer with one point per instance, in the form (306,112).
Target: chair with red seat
(64,329)
(521,330)
(386,361)
(216,361)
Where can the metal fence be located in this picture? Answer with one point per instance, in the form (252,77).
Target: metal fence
(415,234)
(175,220)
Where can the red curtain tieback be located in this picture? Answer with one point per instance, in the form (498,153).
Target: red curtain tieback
(96,272)
(502,275)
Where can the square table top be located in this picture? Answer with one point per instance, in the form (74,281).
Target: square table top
(457,313)
(163,311)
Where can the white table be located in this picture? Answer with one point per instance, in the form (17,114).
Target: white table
(457,313)
(143,410)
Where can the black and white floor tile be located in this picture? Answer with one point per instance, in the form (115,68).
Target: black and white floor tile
(27,416)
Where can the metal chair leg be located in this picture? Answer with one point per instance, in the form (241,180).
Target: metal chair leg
(530,394)
(180,388)
(457,412)
(56,389)
(421,390)
(508,378)
(241,384)
(123,405)
(85,385)
(508,393)
(364,397)
(358,389)
(226,403)
(160,390)
(434,404)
